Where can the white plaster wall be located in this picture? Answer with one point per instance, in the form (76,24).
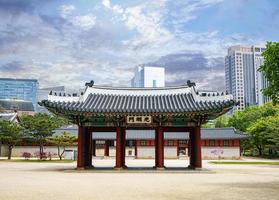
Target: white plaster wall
(112,151)
(146,152)
(143,152)
(130,150)
(100,152)
(223,152)
(149,152)
(19,150)
(170,152)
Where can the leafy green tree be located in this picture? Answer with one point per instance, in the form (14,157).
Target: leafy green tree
(252,120)
(10,134)
(221,122)
(265,133)
(40,127)
(241,120)
(270,70)
(62,141)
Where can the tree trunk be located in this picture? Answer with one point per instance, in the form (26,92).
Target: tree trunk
(41,150)
(260,151)
(60,156)
(10,148)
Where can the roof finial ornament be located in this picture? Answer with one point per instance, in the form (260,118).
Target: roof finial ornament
(190,84)
(90,84)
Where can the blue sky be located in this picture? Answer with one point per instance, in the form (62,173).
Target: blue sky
(70,42)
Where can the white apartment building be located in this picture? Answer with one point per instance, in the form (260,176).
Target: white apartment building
(243,80)
(148,76)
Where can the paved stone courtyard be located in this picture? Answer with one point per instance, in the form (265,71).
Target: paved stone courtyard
(22,180)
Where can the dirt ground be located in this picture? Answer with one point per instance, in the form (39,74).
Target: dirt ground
(47,181)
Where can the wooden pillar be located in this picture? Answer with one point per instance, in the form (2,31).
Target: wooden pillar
(80,147)
(123,134)
(160,148)
(106,150)
(88,148)
(188,147)
(120,147)
(177,145)
(93,147)
(136,149)
(156,148)
(195,146)
(84,148)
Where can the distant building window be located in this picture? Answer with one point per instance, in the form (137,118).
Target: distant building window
(170,142)
(225,142)
(143,143)
(211,142)
(154,83)
(257,49)
(182,142)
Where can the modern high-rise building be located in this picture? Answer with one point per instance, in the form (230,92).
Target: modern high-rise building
(148,76)
(19,89)
(243,80)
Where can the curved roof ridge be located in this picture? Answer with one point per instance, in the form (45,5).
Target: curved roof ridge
(220,128)
(131,91)
(140,88)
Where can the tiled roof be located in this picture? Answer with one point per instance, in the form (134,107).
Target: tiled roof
(8,117)
(206,133)
(142,100)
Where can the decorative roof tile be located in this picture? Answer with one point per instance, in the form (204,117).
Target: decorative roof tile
(181,99)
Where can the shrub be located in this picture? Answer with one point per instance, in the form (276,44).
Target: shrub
(40,155)
(26,155)
(50,155)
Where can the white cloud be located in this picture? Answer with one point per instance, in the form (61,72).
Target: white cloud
(66,10)
(71,51)
(145,19)
(106,3)
(86,21)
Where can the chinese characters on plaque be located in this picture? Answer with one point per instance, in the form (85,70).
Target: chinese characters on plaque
(139,119)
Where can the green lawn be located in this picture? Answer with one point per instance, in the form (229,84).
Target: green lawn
(37,161)
(245,162)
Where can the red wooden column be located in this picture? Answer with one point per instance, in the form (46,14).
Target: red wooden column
(156,148)
(88,148)
(84,158)
(93,147)
(136,149)
(195,142)
(123,141)
(80,160)
(160,148)
(177,148)
(106,152)
(120,156)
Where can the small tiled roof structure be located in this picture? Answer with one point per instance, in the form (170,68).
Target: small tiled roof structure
(206,133)
(108,100)
(16,104)
(12,117)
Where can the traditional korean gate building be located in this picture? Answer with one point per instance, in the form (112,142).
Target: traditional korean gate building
(169,109)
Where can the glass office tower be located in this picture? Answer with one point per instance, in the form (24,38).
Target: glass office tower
(24,89)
